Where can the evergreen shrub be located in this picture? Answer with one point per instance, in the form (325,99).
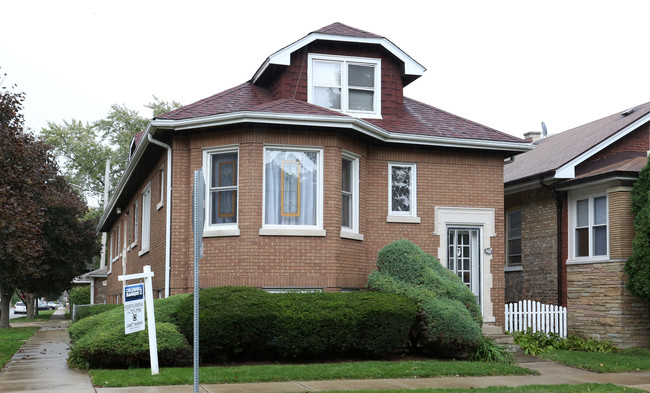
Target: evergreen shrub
(79,295)
(449,318)
(333,324)
(232,320)
(637,266)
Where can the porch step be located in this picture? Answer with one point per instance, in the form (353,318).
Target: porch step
(492,330)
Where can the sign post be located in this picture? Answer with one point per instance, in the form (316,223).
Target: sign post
(151,318)
(198,218)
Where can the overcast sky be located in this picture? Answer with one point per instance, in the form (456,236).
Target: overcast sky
(506,64)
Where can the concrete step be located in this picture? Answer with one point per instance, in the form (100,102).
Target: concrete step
(491,330)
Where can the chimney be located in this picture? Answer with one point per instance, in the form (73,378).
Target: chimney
(532,136)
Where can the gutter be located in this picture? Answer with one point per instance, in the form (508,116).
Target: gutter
(168,208)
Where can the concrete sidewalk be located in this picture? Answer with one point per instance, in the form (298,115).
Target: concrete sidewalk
(40,366)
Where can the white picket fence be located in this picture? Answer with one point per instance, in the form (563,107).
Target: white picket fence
(526,314)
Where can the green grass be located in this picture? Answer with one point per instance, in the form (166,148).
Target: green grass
(11,340)
(591,388)
(42,317)
(631,359)
(304,372)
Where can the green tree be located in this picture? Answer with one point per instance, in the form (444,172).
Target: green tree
(637,266)
(83,148)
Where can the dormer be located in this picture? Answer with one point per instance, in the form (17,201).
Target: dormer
(343,69)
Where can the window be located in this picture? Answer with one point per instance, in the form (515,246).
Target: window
(146,219)
(115,244)
(221,168)
(590,227)
(135,225)
(292,188)
(514,238)
(346,84)
(402,196)
(161,176)
(350,196)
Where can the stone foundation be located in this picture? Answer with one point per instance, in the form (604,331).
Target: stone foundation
(600,306)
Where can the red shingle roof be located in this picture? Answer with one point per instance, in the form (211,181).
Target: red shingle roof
(341,29)
(418,119)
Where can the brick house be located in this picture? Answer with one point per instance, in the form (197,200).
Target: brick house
(569,227)
(311,167)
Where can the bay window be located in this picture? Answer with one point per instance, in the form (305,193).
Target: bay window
(292,188)
(350,196)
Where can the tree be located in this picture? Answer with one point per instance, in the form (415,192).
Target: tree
(637,266)
(84,148)
(25,168)
(44,242)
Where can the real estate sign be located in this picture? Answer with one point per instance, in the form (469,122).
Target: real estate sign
(133,308)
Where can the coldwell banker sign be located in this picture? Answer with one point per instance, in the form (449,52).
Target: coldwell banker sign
(133,308)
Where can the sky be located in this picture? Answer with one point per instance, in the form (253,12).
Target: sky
(508,65)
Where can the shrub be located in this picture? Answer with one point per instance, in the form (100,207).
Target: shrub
(87,325)
(449,317)
(232,320)
(83,312)
(109,347)
(541,342)
(80,295)
(326,324)
(489,351)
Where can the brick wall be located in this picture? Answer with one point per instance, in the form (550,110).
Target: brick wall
(444,178)
(601,307)
(538,278)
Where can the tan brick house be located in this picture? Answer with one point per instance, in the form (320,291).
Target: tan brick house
(569,228)
(310,168)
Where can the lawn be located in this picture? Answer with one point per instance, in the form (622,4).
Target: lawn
(304,372)
(41,317)
(591,388)
(11,340)
(631,359)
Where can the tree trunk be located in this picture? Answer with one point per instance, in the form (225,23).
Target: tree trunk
(30,305)
(5,294)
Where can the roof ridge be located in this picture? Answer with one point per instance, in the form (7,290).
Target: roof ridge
(339,28)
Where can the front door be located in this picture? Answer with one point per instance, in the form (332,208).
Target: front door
(464,257)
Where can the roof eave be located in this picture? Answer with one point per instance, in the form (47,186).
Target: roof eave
(283,56)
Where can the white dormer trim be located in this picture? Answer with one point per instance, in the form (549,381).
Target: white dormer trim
(283,56)
(568,170)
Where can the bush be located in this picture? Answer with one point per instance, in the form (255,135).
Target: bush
(109,347)
(542,342)
(327,324)
(449,319)
(232,320)
(83,312)
(79,295)
(489,351)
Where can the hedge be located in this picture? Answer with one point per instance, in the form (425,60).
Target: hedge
(232,320)
(326,324)
(449,318)
(83,312)
(79,295)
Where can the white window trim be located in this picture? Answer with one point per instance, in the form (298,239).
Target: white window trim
(218,230)
(353,232)
(135,225)
(294,230)
(145,225)
(410,217)
(589,194)
(345,60)
(162,188)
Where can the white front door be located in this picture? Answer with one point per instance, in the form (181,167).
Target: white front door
(464,257)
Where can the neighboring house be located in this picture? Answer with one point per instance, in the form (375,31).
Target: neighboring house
(96,279)
(569,227)
(311,167)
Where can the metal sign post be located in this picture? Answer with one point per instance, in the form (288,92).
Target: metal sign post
(151,318)
(198,218)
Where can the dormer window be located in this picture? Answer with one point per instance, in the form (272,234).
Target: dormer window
(348,84)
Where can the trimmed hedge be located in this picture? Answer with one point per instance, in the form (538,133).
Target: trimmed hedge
(325,324)
(99,340)
(79,295)
(109,347)
(232,320)
(449,318)
(83,312)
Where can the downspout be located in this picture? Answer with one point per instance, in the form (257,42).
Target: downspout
(558,229)
(168,210)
